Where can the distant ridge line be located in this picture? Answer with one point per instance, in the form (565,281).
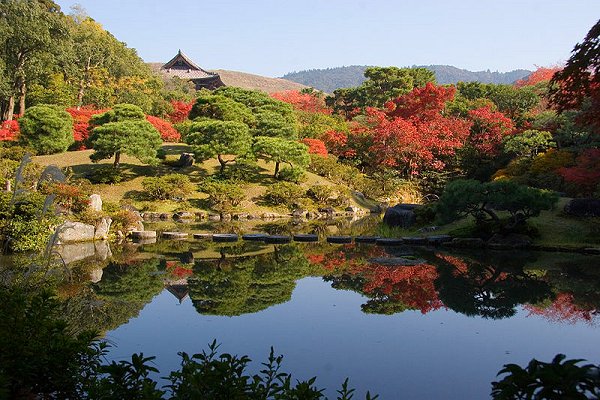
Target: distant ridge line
(329,79)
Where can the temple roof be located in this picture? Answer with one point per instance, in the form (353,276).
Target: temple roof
(183,67)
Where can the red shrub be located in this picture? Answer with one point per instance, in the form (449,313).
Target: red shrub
(316,146)
(585,173)
(81,124)
(167,132)
(181,110)
(9,130)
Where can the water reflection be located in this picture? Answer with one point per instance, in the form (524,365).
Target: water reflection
(248,277)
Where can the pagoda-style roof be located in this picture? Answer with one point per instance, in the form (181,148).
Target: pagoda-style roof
(182,67)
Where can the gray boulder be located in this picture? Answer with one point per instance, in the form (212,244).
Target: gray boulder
(95,202)
(402,215)
(102,228)
(510,241)
(75,232)
(583,207)
(186,160)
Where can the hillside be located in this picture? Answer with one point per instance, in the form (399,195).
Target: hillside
(257,82)
(330,79)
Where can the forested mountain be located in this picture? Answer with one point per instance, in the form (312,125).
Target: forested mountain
(330,79)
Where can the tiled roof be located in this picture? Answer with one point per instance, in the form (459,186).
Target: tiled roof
(187,73)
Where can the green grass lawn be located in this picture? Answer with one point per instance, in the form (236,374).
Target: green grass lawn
(129,190)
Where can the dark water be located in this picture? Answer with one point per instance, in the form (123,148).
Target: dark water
(407,323)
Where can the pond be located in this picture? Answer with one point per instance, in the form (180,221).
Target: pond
(403,322)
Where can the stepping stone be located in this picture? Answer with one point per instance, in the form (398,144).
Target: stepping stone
(306,238)
(366,239)
(592,250)
(339,239)
(203,236)
(389,242)
(225,237)
(255,237)
(439,239)
(173,235)
(143,235)
(277,239)
(415,241)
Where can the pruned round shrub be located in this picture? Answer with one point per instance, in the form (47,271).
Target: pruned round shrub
(172,186)
(223,195)
(292,174)
(46,129)
(320,193)
(283,193)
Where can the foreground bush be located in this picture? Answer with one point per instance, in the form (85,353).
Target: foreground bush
(172,186)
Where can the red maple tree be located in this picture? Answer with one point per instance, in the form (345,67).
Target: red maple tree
(488,129)
(541,74)
(303,101)
(585,173)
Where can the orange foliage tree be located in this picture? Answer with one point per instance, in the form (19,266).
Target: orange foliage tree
(309,102)
(166,130)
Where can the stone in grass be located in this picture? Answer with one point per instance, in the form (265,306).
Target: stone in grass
(306,238)
(225,237)
(366,239)
(142,235)
(254,237)
(173,235)
(278,239)
(203,236)
(339,239)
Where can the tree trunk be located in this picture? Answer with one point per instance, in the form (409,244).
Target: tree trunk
(276,169)
(222,162)
(80,94)
(10,109)
(117,159)
(22,92)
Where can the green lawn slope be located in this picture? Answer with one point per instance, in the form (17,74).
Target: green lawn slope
(130,189)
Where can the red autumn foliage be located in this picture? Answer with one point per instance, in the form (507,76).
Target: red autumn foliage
(337,143)
(413,286)
(415,144)
(564,310)
(166,130)
(81,124)
(9,130)
(303,101)
(181,111)
(316,146)
(541,74)
(585,173)
(175,268)
(422,103)
(488,129)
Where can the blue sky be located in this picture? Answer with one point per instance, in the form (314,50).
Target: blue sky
(272,37)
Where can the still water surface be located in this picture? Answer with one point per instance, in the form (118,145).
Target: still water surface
(407,323)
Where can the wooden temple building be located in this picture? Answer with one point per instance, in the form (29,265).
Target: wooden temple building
(182,67)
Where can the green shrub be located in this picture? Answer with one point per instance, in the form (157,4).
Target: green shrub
(172,186)
(105,174)
(283,193)
(293,174)
(46,129)
(14,152)
(341,197)
(320,193)
(223,196)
